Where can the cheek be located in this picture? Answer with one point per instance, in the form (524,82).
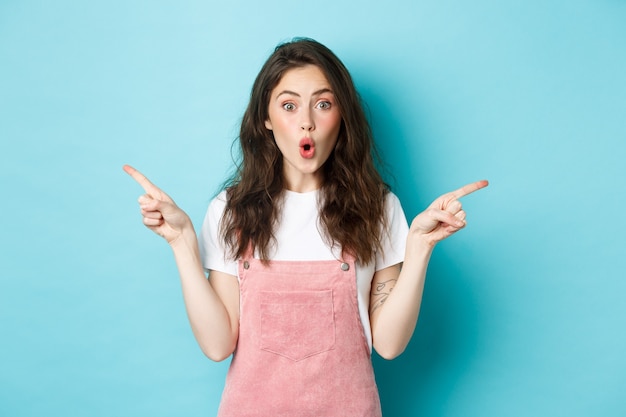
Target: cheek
(332,122)
(277,124)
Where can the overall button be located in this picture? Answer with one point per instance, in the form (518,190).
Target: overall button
(246,264)
(345,266)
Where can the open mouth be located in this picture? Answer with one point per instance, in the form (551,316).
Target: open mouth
(307,148)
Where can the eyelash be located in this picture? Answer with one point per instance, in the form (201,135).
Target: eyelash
(324,105)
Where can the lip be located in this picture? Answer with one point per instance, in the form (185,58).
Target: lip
(307,148)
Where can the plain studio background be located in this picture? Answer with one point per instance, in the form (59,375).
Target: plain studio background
(523,313)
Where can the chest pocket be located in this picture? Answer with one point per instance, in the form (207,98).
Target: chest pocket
(297,324)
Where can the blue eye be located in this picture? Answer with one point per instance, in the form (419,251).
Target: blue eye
(289,106)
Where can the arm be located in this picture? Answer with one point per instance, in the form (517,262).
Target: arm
(212,306)
(397,290)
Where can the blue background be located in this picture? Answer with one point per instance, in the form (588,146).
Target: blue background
(523,312)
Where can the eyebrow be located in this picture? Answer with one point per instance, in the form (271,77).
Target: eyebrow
(315,93)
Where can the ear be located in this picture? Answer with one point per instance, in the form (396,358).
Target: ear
(268,124)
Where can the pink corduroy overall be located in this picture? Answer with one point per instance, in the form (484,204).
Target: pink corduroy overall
(301,351)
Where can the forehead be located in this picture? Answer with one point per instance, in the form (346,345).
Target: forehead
(302,79)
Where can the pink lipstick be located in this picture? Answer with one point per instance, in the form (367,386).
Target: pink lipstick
(307,148)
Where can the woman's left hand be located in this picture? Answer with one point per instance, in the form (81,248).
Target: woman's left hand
(445,216)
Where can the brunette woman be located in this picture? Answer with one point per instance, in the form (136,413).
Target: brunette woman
(303,248)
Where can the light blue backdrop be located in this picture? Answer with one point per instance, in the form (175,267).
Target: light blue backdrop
(523,312)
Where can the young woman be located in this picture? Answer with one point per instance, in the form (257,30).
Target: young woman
(303,248)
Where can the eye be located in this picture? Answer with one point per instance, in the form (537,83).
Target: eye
(289,106)
(324,105)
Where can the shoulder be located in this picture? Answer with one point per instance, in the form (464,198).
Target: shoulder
(393,206)
(391,199)
(219,200)
(214,213)
(213,252)
(393,239)
(218,204)
(395,219)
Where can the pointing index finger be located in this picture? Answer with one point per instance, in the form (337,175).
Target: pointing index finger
(145,183)
(469,188)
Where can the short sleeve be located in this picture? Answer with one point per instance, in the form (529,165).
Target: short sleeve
(213,252)
(394,238)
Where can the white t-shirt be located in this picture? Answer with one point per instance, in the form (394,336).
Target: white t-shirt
(299,239)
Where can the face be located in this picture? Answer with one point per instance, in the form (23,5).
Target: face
(305,120)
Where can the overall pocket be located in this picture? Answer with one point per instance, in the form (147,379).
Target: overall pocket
(297,324)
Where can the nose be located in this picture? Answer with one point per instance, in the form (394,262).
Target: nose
(306,123)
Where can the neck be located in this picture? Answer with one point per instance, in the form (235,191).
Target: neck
(302,187)
(304,183)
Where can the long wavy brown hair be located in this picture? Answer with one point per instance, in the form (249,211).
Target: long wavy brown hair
(352,196)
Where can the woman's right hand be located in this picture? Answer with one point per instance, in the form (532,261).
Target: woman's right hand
(160,213)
